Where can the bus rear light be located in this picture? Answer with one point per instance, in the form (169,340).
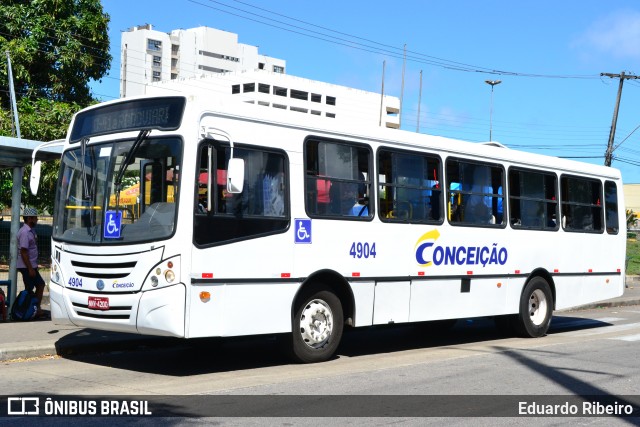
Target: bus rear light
(469,273)
(555,270)
(355,274)
(158,271)
(154,281)
(591,270)
(420,273)
(205,296)
(499,285)
(517,271)
(170,264)
(285,275)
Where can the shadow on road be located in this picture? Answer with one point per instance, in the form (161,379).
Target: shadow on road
(183,358)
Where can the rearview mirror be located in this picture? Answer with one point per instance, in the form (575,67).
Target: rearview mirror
(34,181)
(235,176)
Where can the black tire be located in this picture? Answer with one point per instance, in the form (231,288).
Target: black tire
(536,309)
(318,342)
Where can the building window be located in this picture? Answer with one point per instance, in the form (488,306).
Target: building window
(249,87)
(263,88)
(154,44)
(298,109)
(280,91)
(331,115)
(157,61)
(156,76)
(316,97)
(174,76)
(175,49)
(280,106)
(235,89)
(331,100)
(316,112)
(299,94)
(261,66)
(278,69)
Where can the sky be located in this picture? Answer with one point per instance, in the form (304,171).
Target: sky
(548,55)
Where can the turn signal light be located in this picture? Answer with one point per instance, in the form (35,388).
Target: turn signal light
(205,296)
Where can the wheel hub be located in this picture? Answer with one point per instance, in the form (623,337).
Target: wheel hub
(538,307)
(316,323)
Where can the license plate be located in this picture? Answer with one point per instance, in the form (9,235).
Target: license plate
(99,303)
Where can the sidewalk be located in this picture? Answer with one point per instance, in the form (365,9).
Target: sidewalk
(43,337)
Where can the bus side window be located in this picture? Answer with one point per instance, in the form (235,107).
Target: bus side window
(475,193)
(611,206)
(581,200)
(409,186)
(337,182)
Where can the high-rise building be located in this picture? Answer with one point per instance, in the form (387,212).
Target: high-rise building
(293,94)
(148,56)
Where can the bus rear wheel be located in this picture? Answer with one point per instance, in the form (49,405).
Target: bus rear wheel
(317,327)
(536,308)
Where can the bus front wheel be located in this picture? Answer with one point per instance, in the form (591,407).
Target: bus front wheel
(317,327)
(536,308)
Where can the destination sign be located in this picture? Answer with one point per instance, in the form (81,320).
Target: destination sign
(163,113)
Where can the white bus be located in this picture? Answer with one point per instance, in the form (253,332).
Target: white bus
(200,217)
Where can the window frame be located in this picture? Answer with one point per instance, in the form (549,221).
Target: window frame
(421,154)
(449,213)
(335,180)
(546,201)
(570,203)
(215,220)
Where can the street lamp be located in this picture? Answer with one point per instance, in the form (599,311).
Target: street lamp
(492,83)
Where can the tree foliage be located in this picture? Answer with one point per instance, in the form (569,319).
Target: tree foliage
(56,48)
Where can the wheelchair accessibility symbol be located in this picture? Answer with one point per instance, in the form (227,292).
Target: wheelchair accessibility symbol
(112,224)
(303,230)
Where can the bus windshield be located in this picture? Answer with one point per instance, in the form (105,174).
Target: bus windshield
(92,208)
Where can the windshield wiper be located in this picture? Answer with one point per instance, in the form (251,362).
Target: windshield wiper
(127,158)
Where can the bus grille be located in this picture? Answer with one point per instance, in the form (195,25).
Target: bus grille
(114,313)
(101,269)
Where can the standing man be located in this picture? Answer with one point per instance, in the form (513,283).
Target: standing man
(28,258)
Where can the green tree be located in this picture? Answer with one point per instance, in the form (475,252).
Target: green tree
(56,47)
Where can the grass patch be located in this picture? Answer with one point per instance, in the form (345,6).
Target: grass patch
(633,257)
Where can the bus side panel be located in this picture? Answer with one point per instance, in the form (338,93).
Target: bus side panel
(363,295)
(450,299)
(391,302)
(573,291)
(162,311)
(241,309)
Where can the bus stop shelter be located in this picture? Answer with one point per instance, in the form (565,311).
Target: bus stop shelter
(15,154)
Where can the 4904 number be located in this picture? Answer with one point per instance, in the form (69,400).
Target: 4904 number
(363,250)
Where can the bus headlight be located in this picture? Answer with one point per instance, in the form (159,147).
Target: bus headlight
(165,273)
(55,273)
(169,276)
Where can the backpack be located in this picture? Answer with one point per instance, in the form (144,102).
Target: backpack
(25,306)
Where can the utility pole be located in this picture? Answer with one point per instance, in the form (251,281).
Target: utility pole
(608,155)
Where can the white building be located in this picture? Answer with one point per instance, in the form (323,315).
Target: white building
(149,56)
(294,94)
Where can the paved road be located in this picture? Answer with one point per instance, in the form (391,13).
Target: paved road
(590,352)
